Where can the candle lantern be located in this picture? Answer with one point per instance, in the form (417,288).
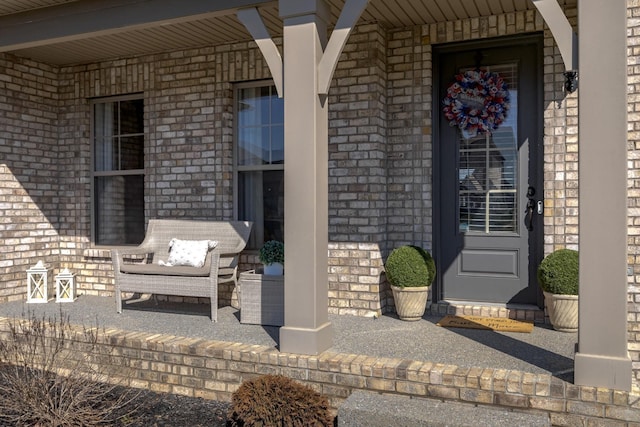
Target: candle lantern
(65,286)
(38,290)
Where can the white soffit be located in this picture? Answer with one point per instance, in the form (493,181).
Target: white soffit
(221,29)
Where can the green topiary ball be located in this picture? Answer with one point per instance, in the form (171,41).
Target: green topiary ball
(271,252)
(410,266)
(558,272)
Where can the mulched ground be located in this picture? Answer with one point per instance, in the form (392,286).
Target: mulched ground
(169,410)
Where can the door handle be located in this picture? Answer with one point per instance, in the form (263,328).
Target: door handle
(529,212)
(533,207)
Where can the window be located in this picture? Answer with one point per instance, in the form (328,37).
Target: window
(259,161)
(118,171)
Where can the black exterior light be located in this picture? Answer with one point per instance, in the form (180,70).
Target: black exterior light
(571,81)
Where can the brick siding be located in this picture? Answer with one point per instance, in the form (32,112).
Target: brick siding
(29,173)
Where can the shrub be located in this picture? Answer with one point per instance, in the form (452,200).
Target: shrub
(272,251)
(410,266)
(54,375)
(275,400)
(558,272)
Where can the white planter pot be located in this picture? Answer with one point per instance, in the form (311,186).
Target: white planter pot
(275,269)
(562,311)
(410,302)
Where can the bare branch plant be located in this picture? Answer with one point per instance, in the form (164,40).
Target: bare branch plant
(55,374)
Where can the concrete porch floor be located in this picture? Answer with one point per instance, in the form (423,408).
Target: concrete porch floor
(175,348)
(542,351)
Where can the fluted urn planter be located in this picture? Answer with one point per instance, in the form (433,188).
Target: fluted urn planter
(410,302)
(558,277)
(562,311)
(410,271)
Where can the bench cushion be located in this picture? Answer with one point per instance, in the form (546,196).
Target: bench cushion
(160,270)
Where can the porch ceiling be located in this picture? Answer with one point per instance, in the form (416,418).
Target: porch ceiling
(208,29)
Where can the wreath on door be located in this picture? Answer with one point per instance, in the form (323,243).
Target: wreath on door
(476,102)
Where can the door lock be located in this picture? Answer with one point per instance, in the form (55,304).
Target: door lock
(540,207)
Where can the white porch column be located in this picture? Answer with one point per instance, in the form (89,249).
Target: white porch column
(602,359)
(307,329)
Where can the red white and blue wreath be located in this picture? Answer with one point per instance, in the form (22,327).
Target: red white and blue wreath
(477,102)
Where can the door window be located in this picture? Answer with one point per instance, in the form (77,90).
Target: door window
(488,171)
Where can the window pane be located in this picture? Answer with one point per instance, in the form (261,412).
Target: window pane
(250,207)
(105,126)
(261,199)
(106,154)
(105,120)
(273,188)
(277,145)
(132,152)
(131,117)
(119,206)
(253,146)
(253,107)
(277,108)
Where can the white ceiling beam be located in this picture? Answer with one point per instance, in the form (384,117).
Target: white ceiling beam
(90,18)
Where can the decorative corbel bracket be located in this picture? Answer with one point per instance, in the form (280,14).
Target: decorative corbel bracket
(349,16)
(253,22)
(565,38)
(346,22)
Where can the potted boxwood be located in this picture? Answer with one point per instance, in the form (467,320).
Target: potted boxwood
(410,271)
(272,256)
(558,278)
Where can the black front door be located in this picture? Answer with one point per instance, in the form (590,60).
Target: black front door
(488,218)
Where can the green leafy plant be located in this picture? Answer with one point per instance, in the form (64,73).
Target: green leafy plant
(272,251)
(410,266)
(275,400)
(558,272)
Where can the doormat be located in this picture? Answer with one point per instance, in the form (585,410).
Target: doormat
(486,323)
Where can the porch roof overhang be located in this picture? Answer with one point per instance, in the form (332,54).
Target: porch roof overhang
(66,32)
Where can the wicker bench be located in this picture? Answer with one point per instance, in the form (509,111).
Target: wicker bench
(140,270)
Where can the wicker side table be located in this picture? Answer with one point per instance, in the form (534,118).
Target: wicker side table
(261,298)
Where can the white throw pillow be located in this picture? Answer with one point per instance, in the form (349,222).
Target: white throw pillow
(189,252)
